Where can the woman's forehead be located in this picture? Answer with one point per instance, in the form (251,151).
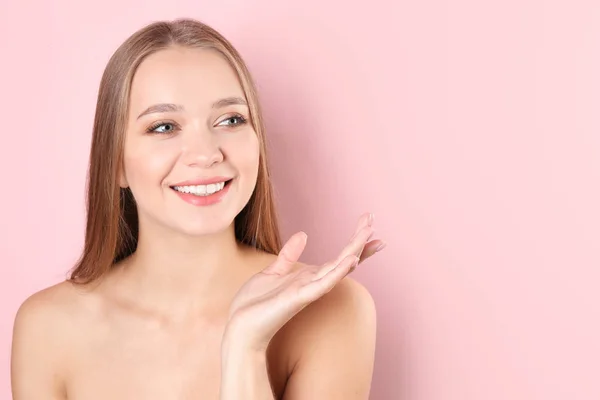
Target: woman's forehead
(193,77)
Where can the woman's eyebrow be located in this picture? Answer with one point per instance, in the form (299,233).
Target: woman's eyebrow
(160,108)
(170,107)
(228,101)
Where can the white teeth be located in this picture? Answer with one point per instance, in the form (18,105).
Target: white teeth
(201,190)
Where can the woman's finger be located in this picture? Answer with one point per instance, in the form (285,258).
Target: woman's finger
(289,255)
(356,245)
(371,248)
(365,220)
(318,287)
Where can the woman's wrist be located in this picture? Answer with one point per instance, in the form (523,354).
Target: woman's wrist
(236,350)
(243,369)
(236,345)
(236,338)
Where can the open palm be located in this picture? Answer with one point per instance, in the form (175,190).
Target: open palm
(272,297)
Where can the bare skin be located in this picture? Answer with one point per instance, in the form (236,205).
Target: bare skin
(111,346)
(152,328)
(100,343)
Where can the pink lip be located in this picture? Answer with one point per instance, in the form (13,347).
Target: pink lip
(204,200)
(207,181)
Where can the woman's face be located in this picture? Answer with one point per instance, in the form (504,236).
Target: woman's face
(188,121)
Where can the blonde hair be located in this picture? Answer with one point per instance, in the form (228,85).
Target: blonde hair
(112,224)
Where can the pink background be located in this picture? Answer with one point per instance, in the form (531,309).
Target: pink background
(471,129)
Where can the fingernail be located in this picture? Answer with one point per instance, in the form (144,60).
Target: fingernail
(371,217)
(381,246)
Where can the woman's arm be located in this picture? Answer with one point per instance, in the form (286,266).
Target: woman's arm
(35,369)
(243,370)
(335,340)
(272,297)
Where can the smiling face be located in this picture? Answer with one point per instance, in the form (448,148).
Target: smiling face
(188,121)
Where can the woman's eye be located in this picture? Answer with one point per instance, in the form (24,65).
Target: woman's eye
(231,121)
(163,127)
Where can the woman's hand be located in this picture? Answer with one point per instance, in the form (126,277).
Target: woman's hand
(268,300)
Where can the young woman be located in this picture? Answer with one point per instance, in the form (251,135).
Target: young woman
(183,290)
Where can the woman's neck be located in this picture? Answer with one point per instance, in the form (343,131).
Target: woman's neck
(185,276)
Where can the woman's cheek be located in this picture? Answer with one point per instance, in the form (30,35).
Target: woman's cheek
(150,162)
(246,149)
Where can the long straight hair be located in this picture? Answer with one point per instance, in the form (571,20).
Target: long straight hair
(111,232)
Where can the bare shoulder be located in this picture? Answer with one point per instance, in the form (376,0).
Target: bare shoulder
(327,350)
(348,303)
(331,345)
(51,307)
(44,327)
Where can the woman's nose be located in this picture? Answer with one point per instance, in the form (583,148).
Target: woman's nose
(201,148)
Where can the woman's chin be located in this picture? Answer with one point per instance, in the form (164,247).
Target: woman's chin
(206,229)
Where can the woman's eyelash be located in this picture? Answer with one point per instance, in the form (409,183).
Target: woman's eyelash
(236,116)
(158,124)
(152,128)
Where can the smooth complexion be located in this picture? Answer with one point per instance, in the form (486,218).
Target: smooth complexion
(159,325)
